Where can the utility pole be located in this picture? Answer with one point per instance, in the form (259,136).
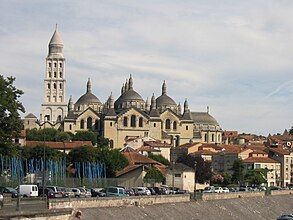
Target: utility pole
(194,189)
(18,191)
(44,168)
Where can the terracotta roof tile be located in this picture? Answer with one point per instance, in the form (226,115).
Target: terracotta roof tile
(135,158)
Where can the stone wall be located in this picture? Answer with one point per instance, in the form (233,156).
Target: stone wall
(282,192)
(78,203)
(216,196)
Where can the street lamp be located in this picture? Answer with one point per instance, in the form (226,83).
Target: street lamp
(194,188)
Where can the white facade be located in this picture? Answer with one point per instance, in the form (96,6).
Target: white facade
(54,107)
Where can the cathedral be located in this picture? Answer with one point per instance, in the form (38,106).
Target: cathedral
(130,116)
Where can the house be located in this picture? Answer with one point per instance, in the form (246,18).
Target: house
(182,176)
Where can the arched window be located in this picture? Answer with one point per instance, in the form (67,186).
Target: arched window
(111,143)
(55,74)
(213,137)
(133,121)
(49,86)
(219,138)
(97,125)
(168,124)
(206,137)
(82,124)
(174,125)
(140,122)
(59,118)
(89,123)
(50,74)
(125,121)
(54,85)
(60,86)
(70,127)
(60,74)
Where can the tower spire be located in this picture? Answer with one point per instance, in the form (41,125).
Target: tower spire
(164,88)
(130,82)
(89,86)
(153,102)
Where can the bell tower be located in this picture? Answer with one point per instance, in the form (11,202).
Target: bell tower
(54,107)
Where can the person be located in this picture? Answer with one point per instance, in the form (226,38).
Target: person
(1,201)
(78,215)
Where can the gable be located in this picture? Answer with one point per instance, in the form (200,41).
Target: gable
(132,111)
(89,112)
(170,115)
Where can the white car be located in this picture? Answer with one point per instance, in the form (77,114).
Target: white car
(219,190)
(226,190)
(209,189)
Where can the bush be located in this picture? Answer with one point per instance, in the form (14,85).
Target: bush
(159,158)
(153,175)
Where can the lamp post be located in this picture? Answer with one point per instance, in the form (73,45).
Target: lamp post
(44,168)
(194,188)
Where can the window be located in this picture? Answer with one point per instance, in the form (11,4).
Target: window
(89,123)
(60,86)
(70,127)
(60,74)
(178,175)
(97,125)
(50,64)
(49,86)
(55,64)
(174,125)
(55,74)
(206,137)
(140,122)
(133,121)
(59,118)
(111,124)
(168,124)
(257,166)
(155,124)
(54,85)
(50,74)
(213,137)
(125,121)
(186,127)
(60,65)
(111,143)
(82,124)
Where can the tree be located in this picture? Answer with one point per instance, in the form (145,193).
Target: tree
(113,158)
(256,177)
(203,168)
(159,158)
(38,153)
(102,142)
(291,131)
(217,179)
(85,136)
(238,172)
(10,106)
(48,134)
(153,175)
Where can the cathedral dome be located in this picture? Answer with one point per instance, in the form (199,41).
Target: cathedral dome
(165,100)
(203,118)
(128,96)
(88,98)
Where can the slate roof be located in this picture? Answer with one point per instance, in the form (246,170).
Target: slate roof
(30,115)
(203,118)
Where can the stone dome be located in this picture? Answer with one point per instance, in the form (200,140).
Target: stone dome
(87,98)
(165,100)
(128,96)
(204,118)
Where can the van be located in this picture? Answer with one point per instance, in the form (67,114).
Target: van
(28,190)
(115,191)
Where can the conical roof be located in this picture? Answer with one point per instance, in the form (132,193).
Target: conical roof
(56,38)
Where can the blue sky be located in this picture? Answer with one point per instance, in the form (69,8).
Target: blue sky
(234,56)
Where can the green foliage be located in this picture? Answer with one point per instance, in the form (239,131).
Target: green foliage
(113,158)
(85,136)
(159,158)
(238,172)
(10,122)
(102,142)
(217,179)
(203,168)
(9,150)
(153,175)
(256,177)
(47,134)
(38,153)
(227,179)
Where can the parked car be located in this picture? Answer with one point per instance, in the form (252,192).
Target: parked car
(67,192)
(129,191)
(219,189)
(49,193)
(9,190)
(58,193)
(98,192)
(209,189)
(165,190)
(1,201)
(153,192)
(286,217)
(115,191)
(226,190)
(158,190)
(28,190)
(77,192)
